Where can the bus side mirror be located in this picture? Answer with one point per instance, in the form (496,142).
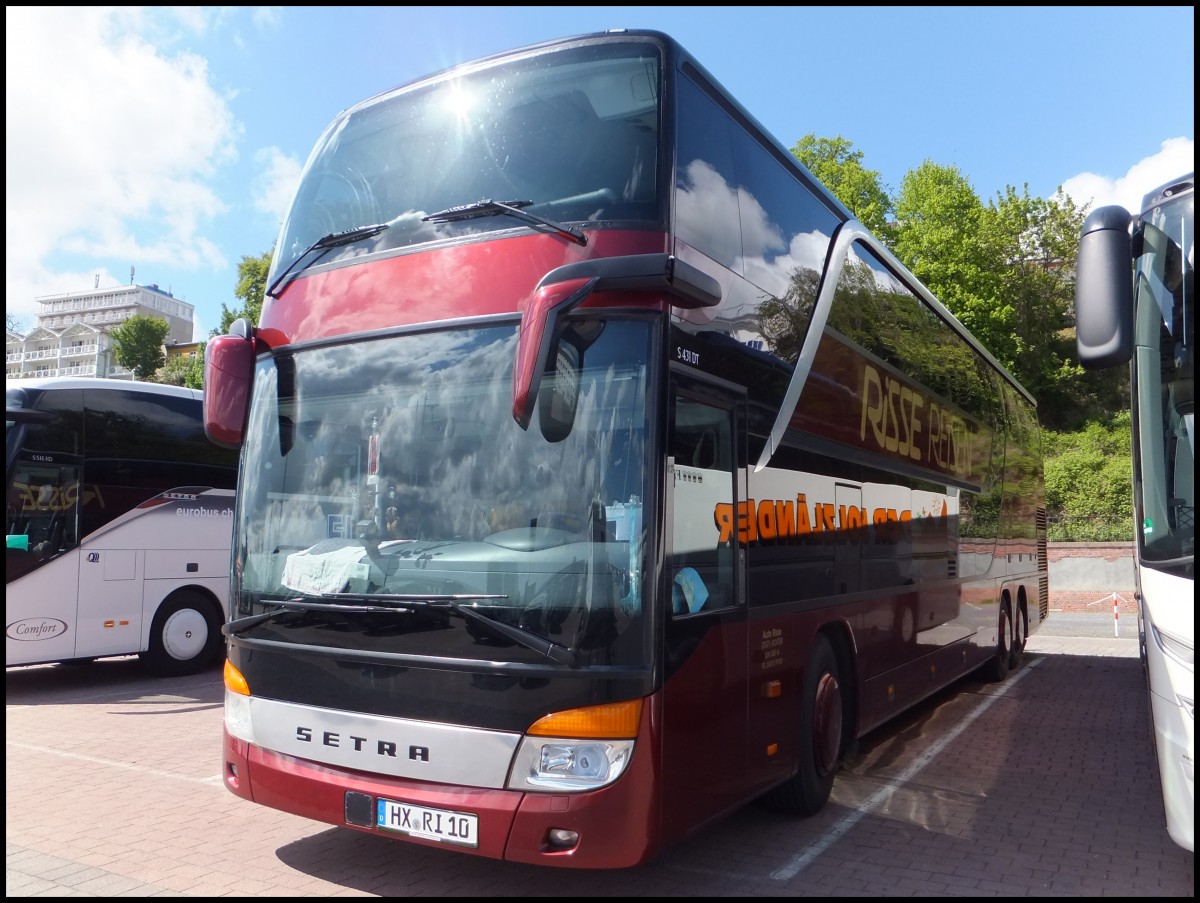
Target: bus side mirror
(1104,290)
(565,288)
(539,346)
(558,399)
(228,374)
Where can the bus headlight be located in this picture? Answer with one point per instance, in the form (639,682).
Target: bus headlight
(1180,651)
(558,764)
(237,704)
(237,716)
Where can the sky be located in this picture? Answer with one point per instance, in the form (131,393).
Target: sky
(161,145)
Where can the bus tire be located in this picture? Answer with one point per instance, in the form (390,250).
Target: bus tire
(822,725)
(995,669)
(185,636)
(1020,630)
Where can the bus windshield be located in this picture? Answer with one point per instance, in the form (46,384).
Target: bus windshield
(570,139)
(1164,342)
(392,488)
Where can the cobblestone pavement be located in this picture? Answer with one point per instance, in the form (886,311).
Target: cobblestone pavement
(1043,785)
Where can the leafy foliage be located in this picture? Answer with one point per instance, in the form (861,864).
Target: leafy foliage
(1089,496)
(183,371)
(137,344)
(840,170)
(251,289)
(939,222)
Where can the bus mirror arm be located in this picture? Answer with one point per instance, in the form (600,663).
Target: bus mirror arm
(541,326)
(688,286)
(563,289)
(228,374)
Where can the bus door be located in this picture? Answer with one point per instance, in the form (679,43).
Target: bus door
(851,533)
(705,663)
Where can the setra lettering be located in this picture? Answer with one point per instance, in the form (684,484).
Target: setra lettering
(378,746)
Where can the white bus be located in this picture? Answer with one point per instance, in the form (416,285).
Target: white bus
(1153,329)
(118,521)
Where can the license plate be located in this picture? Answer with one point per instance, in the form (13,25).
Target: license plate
(460,828)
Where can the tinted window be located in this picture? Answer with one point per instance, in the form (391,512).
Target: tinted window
(785,229)
(706,204)
(573,134)
(141,444)
(739,204)
(43,491)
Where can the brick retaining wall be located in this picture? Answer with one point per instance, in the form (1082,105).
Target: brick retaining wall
(1085,575)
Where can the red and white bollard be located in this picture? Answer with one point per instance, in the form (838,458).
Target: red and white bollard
(1116,626)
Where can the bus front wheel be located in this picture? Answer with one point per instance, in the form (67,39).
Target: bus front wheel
(822,724)
(185,636)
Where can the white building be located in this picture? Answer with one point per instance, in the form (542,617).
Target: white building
(72,337)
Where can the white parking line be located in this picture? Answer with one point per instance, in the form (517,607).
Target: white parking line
(800,862)
(112,763)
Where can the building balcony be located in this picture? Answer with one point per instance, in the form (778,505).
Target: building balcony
(77,350)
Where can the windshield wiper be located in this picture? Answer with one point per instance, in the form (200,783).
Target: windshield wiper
(323,244)
(306,603)
(488,207)
(406,602)
(232,628)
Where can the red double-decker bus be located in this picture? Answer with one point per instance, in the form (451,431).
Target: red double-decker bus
(600,473)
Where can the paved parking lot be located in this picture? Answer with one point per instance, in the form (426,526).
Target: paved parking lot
(1041,786)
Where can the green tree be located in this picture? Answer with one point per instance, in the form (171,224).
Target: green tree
(183,371)
(251,289)
(138,344)
(1035,243)
(938,235)
(840,169)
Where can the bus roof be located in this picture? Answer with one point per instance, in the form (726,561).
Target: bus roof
(99,382)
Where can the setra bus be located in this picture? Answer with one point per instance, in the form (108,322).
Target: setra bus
(600,472)
(119,520)
(1135,305)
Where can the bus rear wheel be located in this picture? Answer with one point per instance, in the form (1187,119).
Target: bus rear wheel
(1020,630)
(185,636)
(997,666)
(822,724)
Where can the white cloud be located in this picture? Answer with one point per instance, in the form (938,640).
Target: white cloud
(277,180)
(111,140)
(1177,157)
(268,17)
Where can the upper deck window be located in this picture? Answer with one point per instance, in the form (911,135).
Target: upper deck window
(573,134)
(738,204)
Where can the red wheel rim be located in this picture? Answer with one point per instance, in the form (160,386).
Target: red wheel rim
(827,723)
